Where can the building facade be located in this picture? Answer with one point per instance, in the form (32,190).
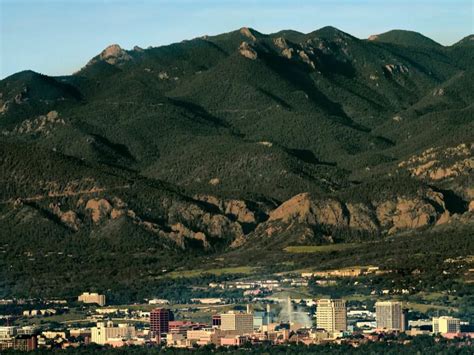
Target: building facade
(159,321)
(105,331)
(87,297)
(331,315)
(241,323)
(390,316)
(444,325)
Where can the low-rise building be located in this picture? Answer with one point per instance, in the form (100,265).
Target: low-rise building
(444,325)
(204,336)
(89,298)
(105,331)
(8,332)
(236,340)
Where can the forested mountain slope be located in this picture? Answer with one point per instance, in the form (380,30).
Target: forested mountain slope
(231,142)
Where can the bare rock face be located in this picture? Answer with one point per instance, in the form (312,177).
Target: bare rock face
(71,219)
(44,124)
(392,69)
(245,31)
(389,216)
(113,55)
(412,214)
(68,218)
(441,163)
(305,58)
(239,210)
(212,225)
(180,233)
(362,217)
(471,206)
(280,42)
(303,209)
(287,53)
(98,208)
(330,212)
(298,207)
(373,38)
(247,51)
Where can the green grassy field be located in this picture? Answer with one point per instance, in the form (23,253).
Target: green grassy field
(246,270)
(320,248)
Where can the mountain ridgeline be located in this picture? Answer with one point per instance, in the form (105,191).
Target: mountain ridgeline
(234,142)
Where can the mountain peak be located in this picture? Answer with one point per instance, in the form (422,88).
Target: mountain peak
(466,41)
(404,38)
(248,32)
(112,54)
(329,33)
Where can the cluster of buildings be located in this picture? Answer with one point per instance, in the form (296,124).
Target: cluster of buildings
(286,322)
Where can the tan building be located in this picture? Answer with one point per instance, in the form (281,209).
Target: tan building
(241,323)
(8,332)
(443,325)
(87,297)
(331,315)
(390,316)
(204,336)
(105,331)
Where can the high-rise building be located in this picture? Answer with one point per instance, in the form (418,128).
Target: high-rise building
(446,324)
(241,323)
(159,320)
(390,316)
(331,315)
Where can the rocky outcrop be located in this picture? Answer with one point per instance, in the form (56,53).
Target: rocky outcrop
(247,32)
(362,217)
(280,42)
(247,51)
(236,210)
(69,218)
(441,163)
(98,208)
(307,212)
(113,55)
(392,69)
(305,58)
(43,124)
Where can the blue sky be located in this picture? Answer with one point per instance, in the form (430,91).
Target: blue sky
(58,37)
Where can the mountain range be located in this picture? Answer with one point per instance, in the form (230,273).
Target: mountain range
(230,145)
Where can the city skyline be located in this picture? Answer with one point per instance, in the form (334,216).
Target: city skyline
(58,38)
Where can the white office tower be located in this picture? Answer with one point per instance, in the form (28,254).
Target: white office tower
(331,315)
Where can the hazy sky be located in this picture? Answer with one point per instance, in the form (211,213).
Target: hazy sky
(59,36)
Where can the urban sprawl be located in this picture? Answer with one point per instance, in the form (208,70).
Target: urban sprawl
(260,318)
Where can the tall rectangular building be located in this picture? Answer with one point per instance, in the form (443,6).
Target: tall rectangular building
(390,316)
(331,315)
(159,320)
(241,323)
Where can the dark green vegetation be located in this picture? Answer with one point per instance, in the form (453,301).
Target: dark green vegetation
(148,161)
